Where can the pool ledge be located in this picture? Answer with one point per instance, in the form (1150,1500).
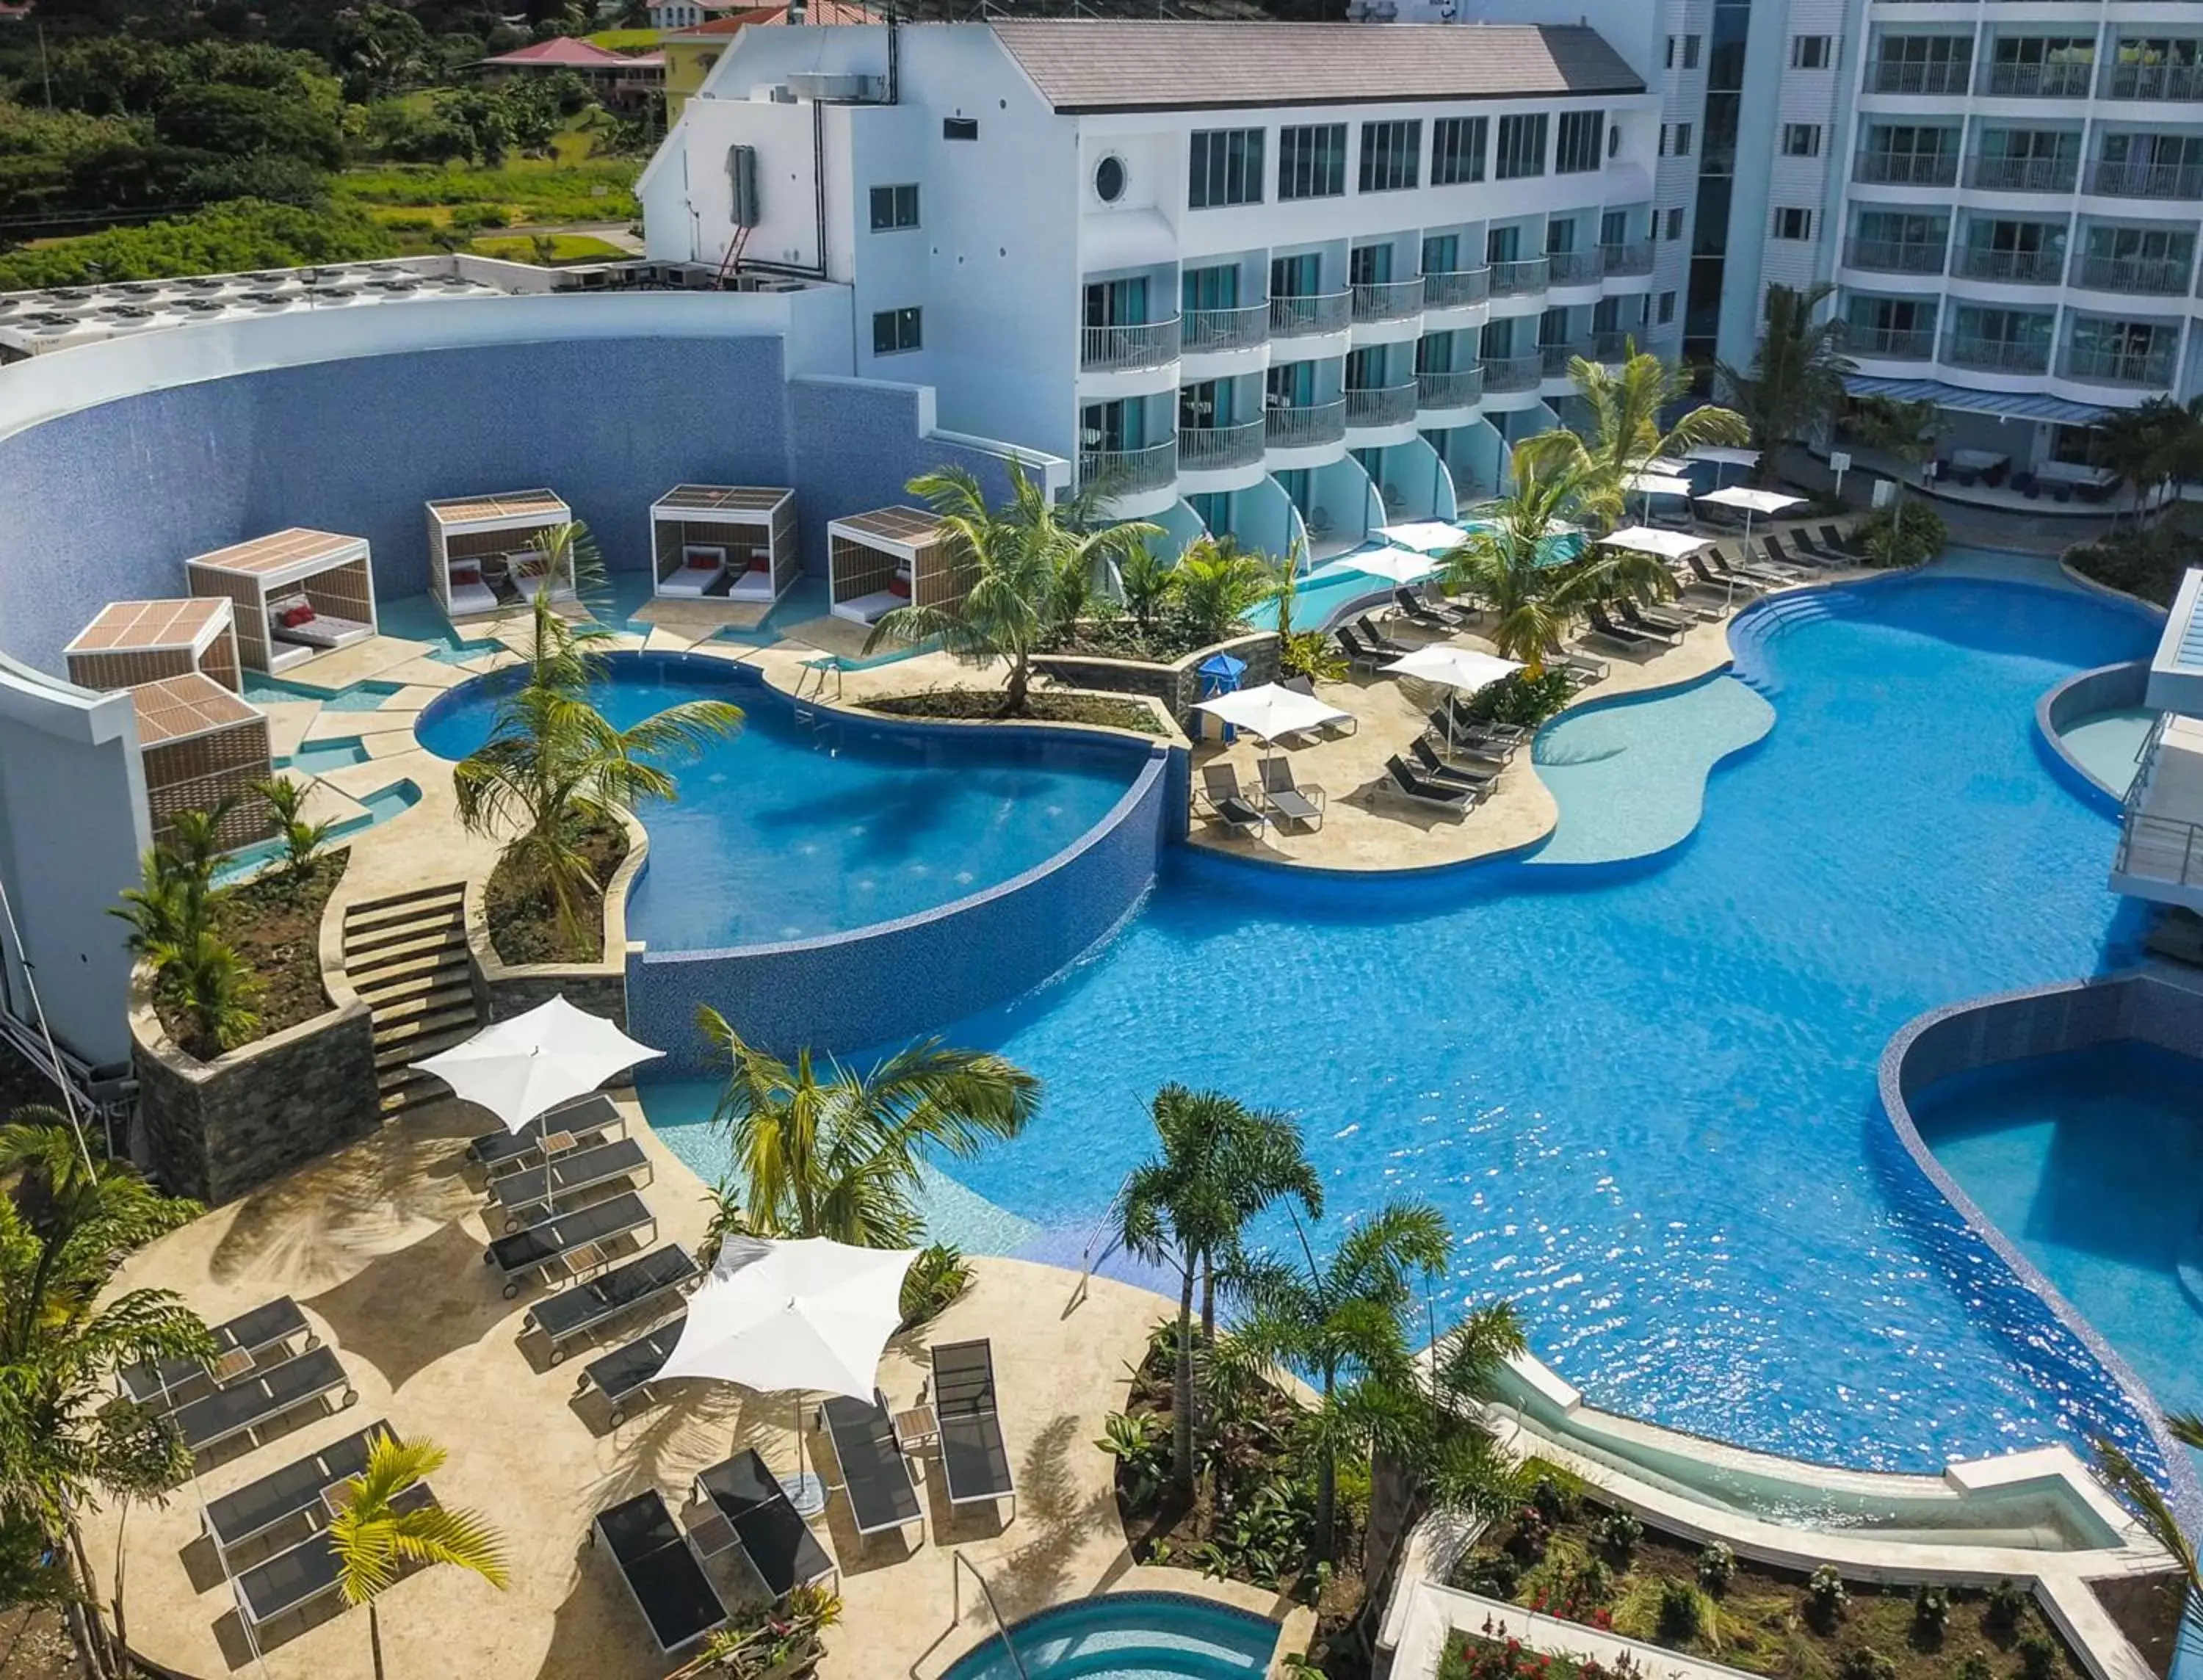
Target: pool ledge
(2085,694)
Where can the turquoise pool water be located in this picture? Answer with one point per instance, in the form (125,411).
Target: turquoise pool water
(1644,1093)
(780,833)
(2108,744)
(1129,1636)
(316,757)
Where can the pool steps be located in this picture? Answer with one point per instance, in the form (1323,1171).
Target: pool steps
(407,958)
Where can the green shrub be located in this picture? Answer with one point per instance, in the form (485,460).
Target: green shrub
(469,217)
(1909,534)
(1827,1591)
(1494,1575)
(937,1278)
(1526,700)
(2006,1603)
(1864,1662)
(1619,1531)
(2148,563)
(1141,1445)
(2038,1656)
(1931,1610)
(1680,1614)
(1976,1666)
(1553,1499)
(225,239)
(1716,1567)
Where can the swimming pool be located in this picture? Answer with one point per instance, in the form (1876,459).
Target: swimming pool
(1644,1093)
(788,833)
(1128,1636)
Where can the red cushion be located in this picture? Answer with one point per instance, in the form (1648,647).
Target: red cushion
(759,562)
(467,579)
(301,614)
(898,585)
(702,563)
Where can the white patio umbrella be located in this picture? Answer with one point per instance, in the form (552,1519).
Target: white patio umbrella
(1396,565)
(806,1314)
(1424,536)
(1462,669)
(1268,710)
(1727,455)
(1645,539)
(1656,484)
(1752,501)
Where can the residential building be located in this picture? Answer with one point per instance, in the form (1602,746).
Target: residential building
(1278,280)
(691,49)
(625,80)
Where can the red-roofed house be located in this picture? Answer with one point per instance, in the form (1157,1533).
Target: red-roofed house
(691,50)
(619,78)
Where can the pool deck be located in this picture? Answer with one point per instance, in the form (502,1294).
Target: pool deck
(380,1244)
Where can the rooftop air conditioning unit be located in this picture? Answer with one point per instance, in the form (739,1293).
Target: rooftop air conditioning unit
(833,84)
(780,95)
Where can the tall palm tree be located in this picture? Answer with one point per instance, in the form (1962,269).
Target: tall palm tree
(65,1226)
(378,1530)
(1796,379)
(1904,430)
(1338,1321)
(553,765)
(1017,557)
(2131,1483)
(1221,1163)
(1218,582)
(838,1156)
(1625,404)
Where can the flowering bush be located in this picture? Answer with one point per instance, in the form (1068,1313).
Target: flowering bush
(1484,1657)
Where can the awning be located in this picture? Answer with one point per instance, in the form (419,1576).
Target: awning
(2012,404)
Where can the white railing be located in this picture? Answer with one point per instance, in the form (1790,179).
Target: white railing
(2022,267)
(2150,276)
(1513,279)
(1130,471)
(1998,356)
(2154,81)
(1318,312)
(1245,328)
(1304,428)
(1907,168)
(1389,300)
(2148,180)
(1895,257)
(2022,174)
(1381,405)
(1152,343)
(1458,388)
(1213,448)
(1455,289)
(1899,76)
(1515,372)
(2041,81)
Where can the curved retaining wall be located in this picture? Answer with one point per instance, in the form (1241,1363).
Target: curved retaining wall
(2106,688)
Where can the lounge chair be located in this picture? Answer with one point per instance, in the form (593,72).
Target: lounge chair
(1434,600)
(625,1375)
(1220,791)
(238,1345)
(1837,539)
(292,1580)
(1738,564)
(260,1398)
(974,1462)
(1602,626)
(1651,622)
(874,1478)
(1406,783)
(1287,800)
(1812,551)
(1416,611)
(584,1119)
(1358,653)
(590,1306)
(1301,684)
(529,1198)
(662,1575)
(1377,640)
(1722,583)
(759,1519)
(1432,767)
(577,1239)
(1493,743)
(1682,606)
(262,1507)
(1780,553)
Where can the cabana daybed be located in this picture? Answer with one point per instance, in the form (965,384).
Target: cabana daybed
(131,642)
(487,552)
(887,558)
(199,743)
(724,542)
(295,593)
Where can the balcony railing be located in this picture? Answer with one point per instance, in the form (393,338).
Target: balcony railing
(1381,405)
(1553,359)
(1130,471)
(1574,268)
(1611,348)
(1453,290)
(1208,449)
(2144,276)
(1246,327)
(2022,174)
(1300,428)
(1119,348)
(1634,257)
(1891,344)
(1318,312)
(1895,257)
(1890,76)
(1458,389)
(1515,372)
(1514,280)
(2105,366)
(1907,168)
(1998,356)
(2154,81)
(2020,267)
(2159,848)
(2041,81)
(1389,300)
(2148,180)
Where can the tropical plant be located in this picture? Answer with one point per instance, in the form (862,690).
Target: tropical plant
(838,1156)
(2155,444)
(382,1525)
(1309,653)
(172,914)
(286,800)
(1796,380)
(1025,562)
(2138,1489)
(1520,698)
(776,1639)
(1140,1444)
(553,766)
(937,1280)
(67,1439)
(1903,430)
(1626,432)
(1186,1207)
(1717,1566)
(215,988)
(1145,583)
(1904,533)
(1218,583)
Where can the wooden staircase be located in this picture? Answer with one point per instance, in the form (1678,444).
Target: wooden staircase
(407,958)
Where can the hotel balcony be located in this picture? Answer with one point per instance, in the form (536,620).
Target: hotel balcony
(2160,851)
(2138,276)
(2149,368)
(1456,290)
(2147,180)
(1120,350)
(1378,406)
(2022,174)
(2016,268)
(1388,300)
(1625,262)
(2040,81)
(2154,81)
(1130,473)
(1514,373)
(1215,449)
(1894,257)
(1891,344)
(1306,427)
(1998,355)
(1311,317)
(1576,267)
(1906,168)
(1463,388)
(1520,279)
(1889,76)
(1206,331)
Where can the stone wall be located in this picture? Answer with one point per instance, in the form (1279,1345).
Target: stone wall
(504,990)
(1177,685)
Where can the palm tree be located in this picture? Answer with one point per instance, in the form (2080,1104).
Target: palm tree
(1016,558)
(2142,1495)
(553,766)
(1221,1164)
(1796,380)
(2153,444)
(65,1227)
(1338,1322)
(1218,582)
(1904,430)
(1145,582)
(839,1157)
(1625,404)
(1508,563)
(378,1530)
(286,800)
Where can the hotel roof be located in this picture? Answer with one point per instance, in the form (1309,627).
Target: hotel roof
(1095,66)
(153,627)
(278,552)
(178,707)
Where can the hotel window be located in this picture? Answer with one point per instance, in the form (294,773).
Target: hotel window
(959,128)
(1391,156)
(1521,146)
(1672,39)
(1691,52)
(1457,150)
(1312,161)
(1801,140)
(1674,139)
(1809,52)
(1227,167)
(894,331)
(1667,308)
(894,206)
(1676,222)
(1578,149)
(1794,223)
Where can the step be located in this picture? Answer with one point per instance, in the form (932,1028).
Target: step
(432,995)
(377,989)
(414,1047)
(380,912)
(428,1023)
(401,973)
(425,941)
(392,936)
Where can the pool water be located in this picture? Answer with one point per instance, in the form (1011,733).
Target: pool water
(1644,1093)
(785,833)
(2109,743)
(1128,1636)
(316,757)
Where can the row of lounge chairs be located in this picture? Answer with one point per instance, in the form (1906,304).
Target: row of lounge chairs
(1280,798)
(545,1201)
(266,1363)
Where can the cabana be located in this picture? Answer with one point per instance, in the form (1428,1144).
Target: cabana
(199,744)
(887,558)
(488,551)
(296,593)
(131,642)
(724,542)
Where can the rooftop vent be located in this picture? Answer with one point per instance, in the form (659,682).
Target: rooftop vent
(834,85)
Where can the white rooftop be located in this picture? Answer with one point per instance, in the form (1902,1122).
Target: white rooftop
(2176,671)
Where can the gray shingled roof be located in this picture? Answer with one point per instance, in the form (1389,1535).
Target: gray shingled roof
(1083,65)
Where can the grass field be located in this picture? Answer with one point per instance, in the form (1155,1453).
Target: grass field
(565,248)
(530,192)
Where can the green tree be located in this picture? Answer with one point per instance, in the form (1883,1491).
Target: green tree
(2141,1493)
(1219,583)
(67,1439)
(1145,583)
(1187,1208)
(1626,430)
(173,928)
(2151,445)
(1903,430)
(303,841)
(838,1156)
(228,238)
(378,1530)
(1795,383)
